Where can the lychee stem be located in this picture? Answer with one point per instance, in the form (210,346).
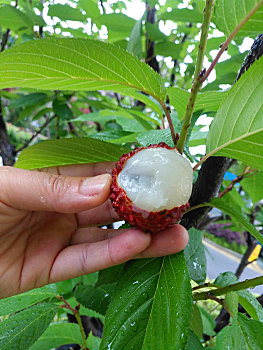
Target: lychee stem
(197,75)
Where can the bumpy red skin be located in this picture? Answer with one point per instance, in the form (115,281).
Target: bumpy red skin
(146,221)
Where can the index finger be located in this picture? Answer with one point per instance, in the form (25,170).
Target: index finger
(81,170)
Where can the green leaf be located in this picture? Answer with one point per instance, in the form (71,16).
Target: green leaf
(12,18)
(243,334)
(167,48)
(119,25)
(91,8)
(67,287)
(66,12)
(225,279)
(237,130)
(96,298)
(29,100)
(68,151)
(21,330)
(251,305)
(253,186)
(153,298)
(206,101)
(182,15)
(195,256)
(208,322)
(228,14)
(219,203)
(155,136)
(135,42)
(76,64)
(193,342)
(57,335)
(231,301)
(110,275)
(22,301)
(196,322)
(93,343)
(154,32)
(62,109)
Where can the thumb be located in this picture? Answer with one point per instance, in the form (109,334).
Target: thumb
(39,191)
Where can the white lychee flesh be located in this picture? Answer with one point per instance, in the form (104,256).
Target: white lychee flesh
(156,179)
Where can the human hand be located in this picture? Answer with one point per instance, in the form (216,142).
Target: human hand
(48,227)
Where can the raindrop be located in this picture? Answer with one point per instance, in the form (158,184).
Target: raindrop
(134,326)
(145,296)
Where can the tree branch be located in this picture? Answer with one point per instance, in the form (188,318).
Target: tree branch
(249,283)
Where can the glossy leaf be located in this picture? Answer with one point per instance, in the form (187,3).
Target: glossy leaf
(76,64)
(68,151)
(251,305)
(152,298)
(195,256)
(22,301)
(208,322)
(193,342)
(237,130)
(96,298)
(228,14)
(243,334)
(21,330)
(57,335)
(196,322)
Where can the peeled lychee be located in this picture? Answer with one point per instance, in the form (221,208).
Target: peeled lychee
(151,187)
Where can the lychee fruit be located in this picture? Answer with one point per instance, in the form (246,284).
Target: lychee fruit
(151,187)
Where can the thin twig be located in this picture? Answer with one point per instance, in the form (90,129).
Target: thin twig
(246,173)
(168,116)
(197,75)
(36,133)
(221,302)
(76,313)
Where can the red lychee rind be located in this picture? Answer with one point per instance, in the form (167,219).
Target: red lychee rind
(146,221)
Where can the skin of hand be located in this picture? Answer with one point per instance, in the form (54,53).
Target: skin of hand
(49,233)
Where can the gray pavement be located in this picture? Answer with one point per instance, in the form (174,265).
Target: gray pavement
(221,260)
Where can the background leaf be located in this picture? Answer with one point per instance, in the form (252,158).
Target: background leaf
(23,301)
(21,330)
(57,335)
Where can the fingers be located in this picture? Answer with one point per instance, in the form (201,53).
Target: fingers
(170,241)
(83,170)
(40,191)
(102,215)
(81,259)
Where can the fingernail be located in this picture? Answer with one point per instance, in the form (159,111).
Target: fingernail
(92,186)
